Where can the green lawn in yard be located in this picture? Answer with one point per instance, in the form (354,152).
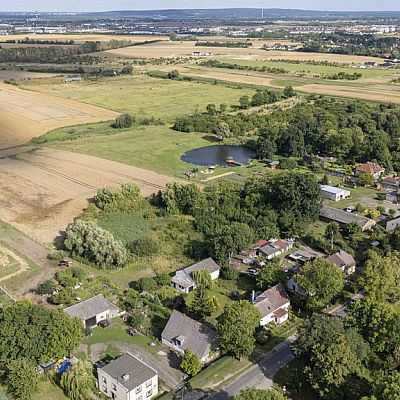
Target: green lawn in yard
(117,333)
(280,333)
(218,372)
(362,195)
(141,95)
(48,391)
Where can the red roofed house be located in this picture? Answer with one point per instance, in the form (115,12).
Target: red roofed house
(273,305)
(344,261)
(391,183)
(370,168)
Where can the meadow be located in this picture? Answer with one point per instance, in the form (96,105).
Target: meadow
(141,95)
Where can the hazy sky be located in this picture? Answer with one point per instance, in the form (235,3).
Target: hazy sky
(104,5)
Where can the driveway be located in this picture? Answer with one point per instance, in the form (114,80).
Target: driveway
(260,375)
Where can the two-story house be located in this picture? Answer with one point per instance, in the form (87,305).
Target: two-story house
(128,378)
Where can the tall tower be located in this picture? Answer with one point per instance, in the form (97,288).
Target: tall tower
(262,9)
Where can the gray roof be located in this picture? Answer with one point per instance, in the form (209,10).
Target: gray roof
(91,307)
(344,217)
(270,249)
(128,364)
(197,338)
(208,264)
(342,259)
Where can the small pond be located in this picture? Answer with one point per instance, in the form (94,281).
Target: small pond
(219,155)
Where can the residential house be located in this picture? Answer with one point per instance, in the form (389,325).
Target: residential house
(393,197)
(128,378)
(334,193)
(93,311)
(344,261)
(183,333)
(183,279)
(274,248)
(273,305)
(345,218)
(390,183)
(370,168)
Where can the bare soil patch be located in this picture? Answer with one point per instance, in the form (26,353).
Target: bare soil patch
(43,190)
(22,75)
(25,114)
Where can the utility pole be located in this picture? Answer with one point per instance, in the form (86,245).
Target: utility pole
(262,9)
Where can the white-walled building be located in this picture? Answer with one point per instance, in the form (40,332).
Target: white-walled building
(128,378)
(334,193)
(273,305)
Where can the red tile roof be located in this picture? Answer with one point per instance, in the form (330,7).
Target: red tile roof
(370,168)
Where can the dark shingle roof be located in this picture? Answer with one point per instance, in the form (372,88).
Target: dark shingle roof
(91,307)
(271,300)
(129,365)
(344,217)
(197,338)
(342,259)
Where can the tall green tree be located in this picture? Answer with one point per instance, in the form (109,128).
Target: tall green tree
(381,277)
(321,281)
(203,304)
(191,364)
(78,381)
(270,275)
(236,327)
(22,378)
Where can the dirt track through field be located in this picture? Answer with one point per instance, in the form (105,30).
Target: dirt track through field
(43,190)
(25,114)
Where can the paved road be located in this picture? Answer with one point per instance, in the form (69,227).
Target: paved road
(259,375)
(340,310)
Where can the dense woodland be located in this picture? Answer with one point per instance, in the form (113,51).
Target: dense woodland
(353,131)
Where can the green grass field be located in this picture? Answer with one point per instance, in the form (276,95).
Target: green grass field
(141,95)
(157,148)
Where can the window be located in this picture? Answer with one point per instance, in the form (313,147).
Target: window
(149,393)
(113,386)
(138,389)
(148,383)
(104,388)
(104,379)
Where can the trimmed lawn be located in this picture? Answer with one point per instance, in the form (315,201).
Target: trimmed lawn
(142,95)
(363,195)
(49,391)
(116,332)
(219,372)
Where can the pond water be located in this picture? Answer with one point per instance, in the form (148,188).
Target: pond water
(218,155)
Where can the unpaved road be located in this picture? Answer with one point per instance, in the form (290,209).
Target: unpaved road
(43,190)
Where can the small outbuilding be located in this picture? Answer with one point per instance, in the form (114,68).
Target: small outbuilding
(334,193)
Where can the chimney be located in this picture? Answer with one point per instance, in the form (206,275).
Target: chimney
(125,377)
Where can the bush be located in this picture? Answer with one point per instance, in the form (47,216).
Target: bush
(125,198)
(47,287)
(163,279)
(96,245)
(123,121)
(144,247)
(146,284)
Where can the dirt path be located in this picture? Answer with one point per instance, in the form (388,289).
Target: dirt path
(34,252)
(5,256)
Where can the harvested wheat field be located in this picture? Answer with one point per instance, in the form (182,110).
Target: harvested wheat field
(379,93)
(9,74)
(25,114)
(43,190)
